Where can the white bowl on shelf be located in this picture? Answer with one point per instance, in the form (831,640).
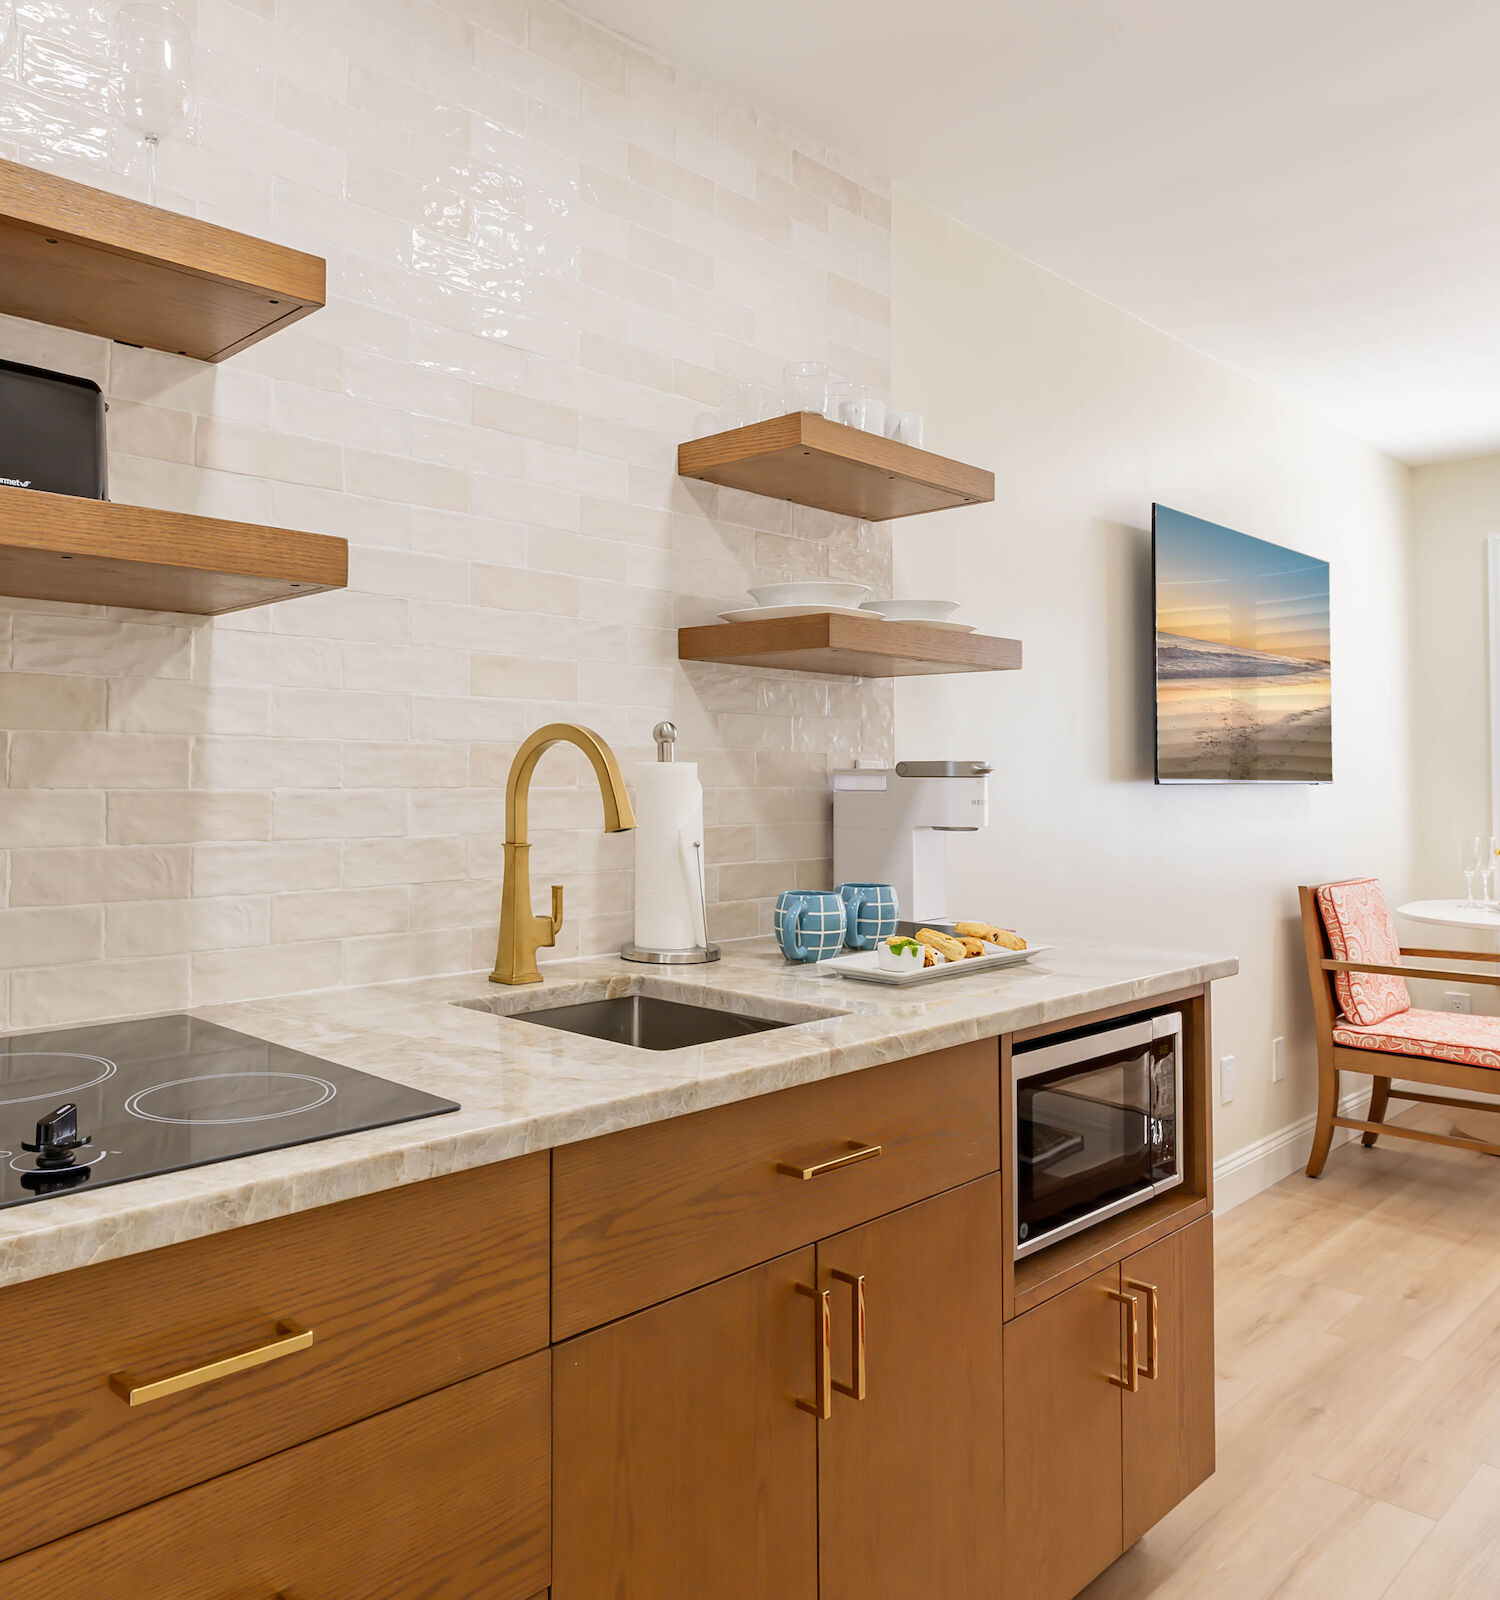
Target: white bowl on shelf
(810,592)
(912,610)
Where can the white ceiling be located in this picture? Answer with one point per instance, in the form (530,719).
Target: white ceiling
(1308,190)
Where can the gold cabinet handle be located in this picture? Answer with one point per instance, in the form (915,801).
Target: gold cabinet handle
(291,1337)
(1152,1368)
(857,1151)
(821,1406)
(855,1389)
(1132,1382)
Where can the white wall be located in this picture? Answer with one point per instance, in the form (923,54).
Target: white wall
(1455,508)
(549,253)
(1087,416)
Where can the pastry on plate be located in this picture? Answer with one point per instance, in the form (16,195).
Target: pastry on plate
(949,948)
(990,934)
(972,946)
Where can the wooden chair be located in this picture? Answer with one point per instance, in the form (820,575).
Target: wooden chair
(1449,1050)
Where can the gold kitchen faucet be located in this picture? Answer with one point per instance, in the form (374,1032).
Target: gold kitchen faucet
(522,932)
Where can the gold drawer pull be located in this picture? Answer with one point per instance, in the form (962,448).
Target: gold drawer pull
(293,1337)
(821,1406)
(1152,1368)
(857,1151)
(1131,1384)
(856,1281)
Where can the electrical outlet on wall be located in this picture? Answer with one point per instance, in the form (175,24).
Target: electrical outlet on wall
(1455,1000)
(1278,1060)
(1226,1079)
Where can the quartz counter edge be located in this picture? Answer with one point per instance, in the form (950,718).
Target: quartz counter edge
(523,1087)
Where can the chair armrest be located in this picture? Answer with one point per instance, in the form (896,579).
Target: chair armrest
(1412,972)
(1455,955)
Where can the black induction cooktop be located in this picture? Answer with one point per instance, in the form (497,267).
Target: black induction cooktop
(83,1108)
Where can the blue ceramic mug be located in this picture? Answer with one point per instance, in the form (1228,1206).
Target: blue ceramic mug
(809,924)
(870,913)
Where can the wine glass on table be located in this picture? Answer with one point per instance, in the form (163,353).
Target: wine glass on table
(1474,858)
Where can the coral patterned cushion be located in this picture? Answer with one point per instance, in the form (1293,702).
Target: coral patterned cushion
(1359,927)
(1437,1035)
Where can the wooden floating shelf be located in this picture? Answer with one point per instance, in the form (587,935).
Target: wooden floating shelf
(93,552)
(805,458)
(79,258)
(864,647)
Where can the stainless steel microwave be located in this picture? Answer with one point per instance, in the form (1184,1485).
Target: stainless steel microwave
(1095,1123)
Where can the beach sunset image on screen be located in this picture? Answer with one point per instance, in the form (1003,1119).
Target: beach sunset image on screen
(1243,684)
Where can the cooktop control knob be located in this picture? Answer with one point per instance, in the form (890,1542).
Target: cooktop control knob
(57,1138)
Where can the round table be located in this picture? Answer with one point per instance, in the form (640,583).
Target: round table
(1452,914)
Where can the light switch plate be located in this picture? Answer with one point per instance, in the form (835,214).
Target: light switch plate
(1226,1080)
(1278,1060)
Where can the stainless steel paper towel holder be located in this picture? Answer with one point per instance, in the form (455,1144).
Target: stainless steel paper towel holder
(665,734)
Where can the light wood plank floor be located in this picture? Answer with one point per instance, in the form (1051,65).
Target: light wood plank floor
(1358,1390)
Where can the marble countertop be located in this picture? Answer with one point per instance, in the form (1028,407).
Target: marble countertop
(523,1087)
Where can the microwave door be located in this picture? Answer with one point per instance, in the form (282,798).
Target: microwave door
(1080,1145)
(1095,1129)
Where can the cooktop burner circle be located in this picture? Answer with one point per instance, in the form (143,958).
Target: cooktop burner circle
(195,1105)
(23,1162)
(60,1081)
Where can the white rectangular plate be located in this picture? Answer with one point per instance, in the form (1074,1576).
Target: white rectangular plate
(865,965)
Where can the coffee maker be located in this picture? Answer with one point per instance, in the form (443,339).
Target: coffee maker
(890,825)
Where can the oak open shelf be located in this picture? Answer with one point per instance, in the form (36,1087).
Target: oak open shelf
(864,647)
(93,552)
(807,459)
(80,258)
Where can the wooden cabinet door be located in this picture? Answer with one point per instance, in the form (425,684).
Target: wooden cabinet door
(445,1497)
(909,1477)
(1169,1422)
(683,1464)
(1062,1440)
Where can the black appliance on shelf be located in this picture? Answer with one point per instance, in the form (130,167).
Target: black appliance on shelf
(51,432)
(84,1108)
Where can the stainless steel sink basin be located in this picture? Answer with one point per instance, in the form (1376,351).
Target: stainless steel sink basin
(648,1023)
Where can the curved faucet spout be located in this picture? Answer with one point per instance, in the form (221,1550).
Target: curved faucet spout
(522,932)
(618,815)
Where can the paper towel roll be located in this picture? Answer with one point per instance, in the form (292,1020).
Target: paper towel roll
(668,856)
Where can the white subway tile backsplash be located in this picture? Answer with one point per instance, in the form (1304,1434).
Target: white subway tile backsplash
(548,253)
(70,877)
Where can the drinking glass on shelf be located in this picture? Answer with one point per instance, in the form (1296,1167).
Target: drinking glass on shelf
(1474,859)
(151,76)
(805,384)
(905,427)
(1490,876)
(846,402)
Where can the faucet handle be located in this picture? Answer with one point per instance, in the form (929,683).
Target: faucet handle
(557,909)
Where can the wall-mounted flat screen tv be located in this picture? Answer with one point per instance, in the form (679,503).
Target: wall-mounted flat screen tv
(1243,685)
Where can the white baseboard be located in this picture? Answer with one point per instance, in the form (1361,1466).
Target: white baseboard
(1246,1172)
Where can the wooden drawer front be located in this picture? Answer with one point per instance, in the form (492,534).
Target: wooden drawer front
(648,1213)
(404,1291)
(446,1497)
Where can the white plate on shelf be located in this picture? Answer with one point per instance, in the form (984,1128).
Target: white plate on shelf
(864,965)
(928,611)
(770,613)
(811,592)
(945,627)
